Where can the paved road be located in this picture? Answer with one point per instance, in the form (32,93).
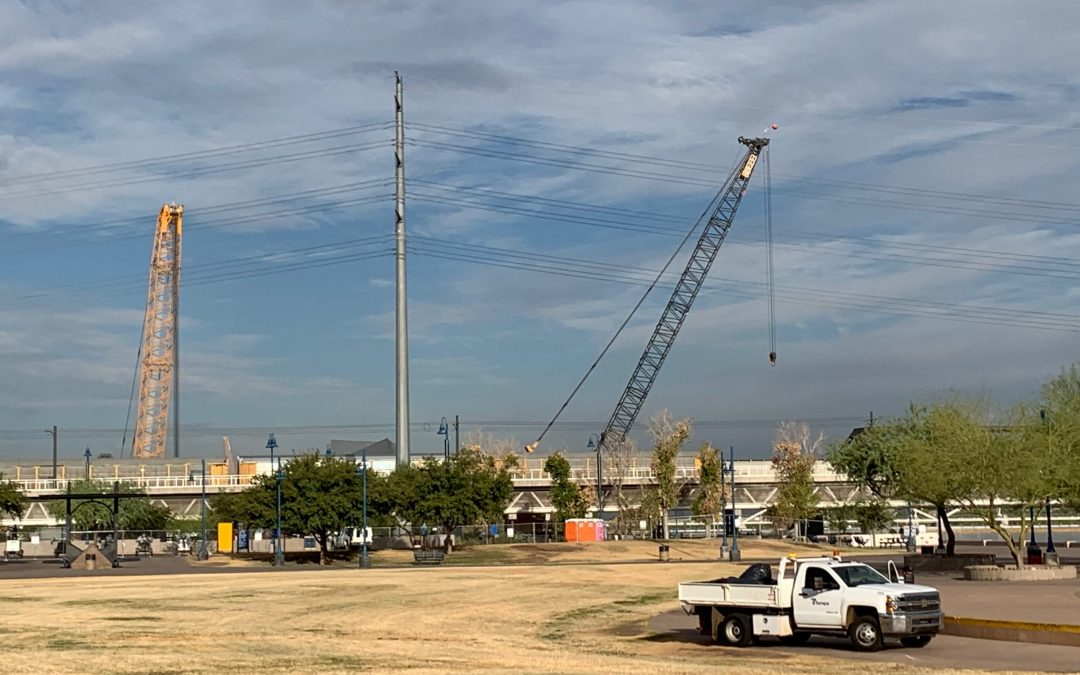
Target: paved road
(944,652)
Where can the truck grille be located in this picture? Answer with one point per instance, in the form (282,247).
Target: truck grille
(918,602)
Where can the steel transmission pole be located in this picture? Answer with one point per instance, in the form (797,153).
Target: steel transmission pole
(402,309)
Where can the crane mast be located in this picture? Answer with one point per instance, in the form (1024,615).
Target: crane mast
(682,298)
(157,367)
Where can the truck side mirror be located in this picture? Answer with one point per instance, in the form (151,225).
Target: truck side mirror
(818,583)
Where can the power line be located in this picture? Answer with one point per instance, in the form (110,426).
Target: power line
(570,425)
(203,171)
(578,150)
(226,150)
(230,269)
(969,259)
(584,269)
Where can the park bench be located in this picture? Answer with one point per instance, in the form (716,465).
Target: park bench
(428,556)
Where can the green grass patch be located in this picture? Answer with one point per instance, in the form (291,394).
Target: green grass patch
(18,598)
(68,644)
(564,624)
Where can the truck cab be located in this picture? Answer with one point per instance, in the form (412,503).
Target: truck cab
(827,596)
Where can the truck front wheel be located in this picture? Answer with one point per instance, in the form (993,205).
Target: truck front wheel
(916,641)
(865,634)
(736,630)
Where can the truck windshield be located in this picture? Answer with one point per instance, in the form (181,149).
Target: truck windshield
(858,575)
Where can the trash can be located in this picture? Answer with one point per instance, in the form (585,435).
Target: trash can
(1034,555)
(909,575)
(665,553)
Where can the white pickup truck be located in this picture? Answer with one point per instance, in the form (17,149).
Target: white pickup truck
(825,596)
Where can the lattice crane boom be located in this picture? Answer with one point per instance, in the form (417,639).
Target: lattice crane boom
(158,356)
(682,298)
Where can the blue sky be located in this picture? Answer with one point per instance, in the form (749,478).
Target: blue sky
(926,159)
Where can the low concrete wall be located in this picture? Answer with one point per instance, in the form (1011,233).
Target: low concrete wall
(1013,631)
(947,563)
(1029,573)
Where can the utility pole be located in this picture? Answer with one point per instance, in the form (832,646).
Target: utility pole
(457,435)
(402,309)
(53,434)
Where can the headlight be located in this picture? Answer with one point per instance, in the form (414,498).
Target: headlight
(890,604)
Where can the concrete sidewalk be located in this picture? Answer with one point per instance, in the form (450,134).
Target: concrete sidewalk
(1053,602)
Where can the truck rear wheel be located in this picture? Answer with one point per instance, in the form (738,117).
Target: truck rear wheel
(736,630)
(916,641)
(865,634)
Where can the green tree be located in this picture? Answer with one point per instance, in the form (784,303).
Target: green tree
(319,496)
(709,498)
(1057,426)
(252,507)
(135,513)
(839,517)
(566,495)
(12,501)
(472,488)
(872,515)
(669,435)
(880,462)
(868,459)
(980,460)
(794,457)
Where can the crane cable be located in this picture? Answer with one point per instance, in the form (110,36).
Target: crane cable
(663,270)
(771,280)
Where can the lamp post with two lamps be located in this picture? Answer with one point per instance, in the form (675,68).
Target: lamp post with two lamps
(279,554)
(444,431)
(1051,552)
(736,554)
(595,442)
(365,562)
(204,552)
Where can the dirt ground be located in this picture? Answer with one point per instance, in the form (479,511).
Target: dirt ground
(526,619)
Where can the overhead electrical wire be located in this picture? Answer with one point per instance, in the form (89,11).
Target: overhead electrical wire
(225,270)
(203,171)
(624,274)
(569,425)
(711,170)
(90,235)
(164,160)
(974,260)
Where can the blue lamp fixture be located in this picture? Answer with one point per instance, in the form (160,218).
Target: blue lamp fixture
(444,431)
(279,554)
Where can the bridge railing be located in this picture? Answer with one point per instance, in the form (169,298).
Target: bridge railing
(150,484)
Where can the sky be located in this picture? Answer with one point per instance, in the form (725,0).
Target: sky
(924,213)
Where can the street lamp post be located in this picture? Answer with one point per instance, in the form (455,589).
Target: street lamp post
(444,431)
(1051,552)
(279,554)
(204,552)
(88,455)
(723,508)
(736,555)
(52,432)
(910,531)
(365,562)
(594,442)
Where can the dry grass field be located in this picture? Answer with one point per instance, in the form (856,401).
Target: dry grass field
(524,619)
